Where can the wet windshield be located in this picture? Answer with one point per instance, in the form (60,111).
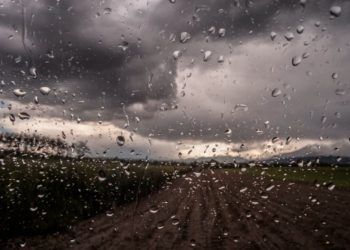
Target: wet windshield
(171,124)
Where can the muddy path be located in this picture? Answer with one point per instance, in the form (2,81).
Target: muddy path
(217,210)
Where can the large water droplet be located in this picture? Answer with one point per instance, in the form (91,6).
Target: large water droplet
(212,30)
(289,36)
(19,93)
(221,59)
(101,175)
(12,118)
(222,32)
(176,54)
(32,72)
(23,116)
(207,55)
(296,60)
(335,11)
(228,131)
(184,37)
(300,29)
(120,140)
(45,90)
(331,187)
(276,92)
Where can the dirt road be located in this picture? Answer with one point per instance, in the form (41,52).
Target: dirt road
(218,210)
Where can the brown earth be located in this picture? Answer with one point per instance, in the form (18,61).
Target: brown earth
(213,211)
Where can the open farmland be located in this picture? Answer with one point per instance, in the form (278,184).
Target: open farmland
(219,209)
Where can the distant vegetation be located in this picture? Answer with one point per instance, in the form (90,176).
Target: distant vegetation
(44,194)
(12,143)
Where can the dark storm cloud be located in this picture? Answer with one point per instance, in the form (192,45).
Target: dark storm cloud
(62,52)
(77,48)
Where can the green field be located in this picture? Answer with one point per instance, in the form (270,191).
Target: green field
(339,176)
(323,175)
(43,195)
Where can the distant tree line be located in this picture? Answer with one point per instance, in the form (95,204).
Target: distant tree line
(38,144)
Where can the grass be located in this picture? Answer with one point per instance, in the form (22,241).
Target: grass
(44,195)
(324,175)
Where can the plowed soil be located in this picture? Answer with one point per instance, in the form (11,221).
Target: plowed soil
(217,210)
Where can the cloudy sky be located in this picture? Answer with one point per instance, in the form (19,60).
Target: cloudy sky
(184,78)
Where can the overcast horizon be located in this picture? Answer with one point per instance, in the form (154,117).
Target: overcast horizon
(180,79)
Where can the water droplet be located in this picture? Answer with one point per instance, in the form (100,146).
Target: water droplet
(241,107)
(193,243)
(264,196)
(33,208)
(120,140)
(212,30)
(276,92)
(248,214)
(109,213)
(300,29)
(306,55)
(243,190)
(160,225)
(221,59)
(268,189)
(331,187)
(153,209)
(340,92)
(102,175)
(335,11)
(123,45)
(197,174)
(107,11)
(222,32)
(289,36)
(303,3)
(334,76)
(175,221)
(19,93)
(228,131)
(45,90)
(296,60)
(172,1)
(176,54)
(12,118)
(32,72)
(275,139)
(184,37)
(23,116)
(23,243)
(273,35)
(207,55)
(36,100)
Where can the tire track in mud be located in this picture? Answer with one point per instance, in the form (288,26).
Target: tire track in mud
(210,212)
